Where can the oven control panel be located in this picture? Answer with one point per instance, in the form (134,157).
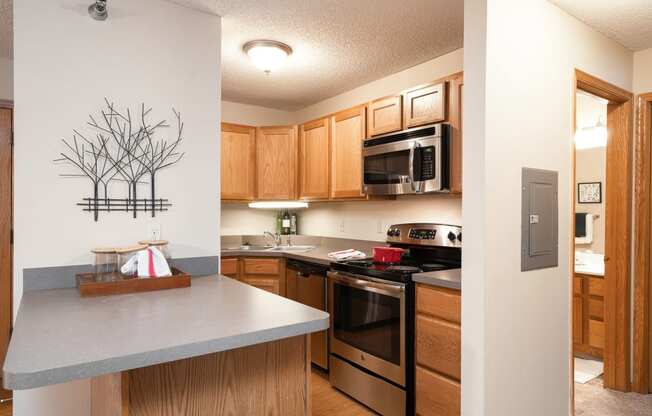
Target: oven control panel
(442,235)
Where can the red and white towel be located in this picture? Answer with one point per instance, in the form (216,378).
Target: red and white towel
(147,263)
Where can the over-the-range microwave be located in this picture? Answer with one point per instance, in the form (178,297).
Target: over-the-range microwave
(412,161)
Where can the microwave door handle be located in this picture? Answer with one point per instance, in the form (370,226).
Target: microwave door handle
(413,183)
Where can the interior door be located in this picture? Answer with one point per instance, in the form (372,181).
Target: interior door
(6,220)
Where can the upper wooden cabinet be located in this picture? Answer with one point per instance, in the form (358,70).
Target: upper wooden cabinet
(425,105)
(385,115)
(238,167)
(314,160)
(276,162)
(347,135)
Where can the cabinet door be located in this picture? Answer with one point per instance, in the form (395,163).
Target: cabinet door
(314,158)
(385,115)
(276,162)
(238,168)
(455,103)
(425,105)
(347,133)
(578,321)
(229,267)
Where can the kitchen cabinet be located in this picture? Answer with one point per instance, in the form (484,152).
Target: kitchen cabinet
(238,167)
(276,163)
(425,105)
(347,136)
(264,273)
(438,351)
(229,267)
(385,115)
(310,289)
(588,315)
(314,159)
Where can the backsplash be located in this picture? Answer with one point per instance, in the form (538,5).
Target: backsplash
(363,220)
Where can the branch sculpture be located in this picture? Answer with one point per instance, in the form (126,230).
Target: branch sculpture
(126,150)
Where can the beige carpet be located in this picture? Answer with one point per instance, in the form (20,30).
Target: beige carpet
(591,399)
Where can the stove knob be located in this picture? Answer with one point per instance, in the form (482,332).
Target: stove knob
(390,232)
(459,237)
(451,236)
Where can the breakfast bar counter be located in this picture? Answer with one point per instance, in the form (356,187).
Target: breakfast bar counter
(217,343)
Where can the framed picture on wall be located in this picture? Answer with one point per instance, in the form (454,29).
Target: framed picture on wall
(589,192)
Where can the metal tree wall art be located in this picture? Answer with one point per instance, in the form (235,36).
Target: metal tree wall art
(126,150)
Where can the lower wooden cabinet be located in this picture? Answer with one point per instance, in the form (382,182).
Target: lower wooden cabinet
(438,351)
(588,315)
(262,272)
(229,267)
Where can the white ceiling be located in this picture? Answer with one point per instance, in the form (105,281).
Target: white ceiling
(6,29)
(628,22)
(338,44)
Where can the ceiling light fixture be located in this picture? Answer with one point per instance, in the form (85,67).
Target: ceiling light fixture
(278,204)
(267,55)
(591,137)
(97,10)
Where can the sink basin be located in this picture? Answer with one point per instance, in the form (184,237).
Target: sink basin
(248,247)
(291,248)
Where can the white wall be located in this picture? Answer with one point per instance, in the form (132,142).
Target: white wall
(361,218)
(516,334)
(369,220)
(253,115)
(643,71)
(6,79)
(152,51)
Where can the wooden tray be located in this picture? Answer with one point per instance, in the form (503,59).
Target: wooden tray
(104,284)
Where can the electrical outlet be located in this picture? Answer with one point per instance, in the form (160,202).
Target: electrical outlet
(379,227)
(341,226)
(154,231)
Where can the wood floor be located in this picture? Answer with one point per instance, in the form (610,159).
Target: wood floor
(328,401)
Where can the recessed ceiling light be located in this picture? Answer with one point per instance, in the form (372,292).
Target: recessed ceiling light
(278,204)
(267,55)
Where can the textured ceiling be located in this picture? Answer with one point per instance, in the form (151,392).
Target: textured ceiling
(628,22)
(6,29)
(338,44)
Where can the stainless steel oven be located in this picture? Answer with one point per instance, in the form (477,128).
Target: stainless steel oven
(409,162)
(368,332)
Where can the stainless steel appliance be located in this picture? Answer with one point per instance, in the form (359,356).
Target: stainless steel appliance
(372,316)
(409,162)
(306,283)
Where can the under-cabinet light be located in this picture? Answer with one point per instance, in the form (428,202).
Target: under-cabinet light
(278,204)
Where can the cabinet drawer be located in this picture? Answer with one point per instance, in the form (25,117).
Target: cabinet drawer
(262,266)
(596,286)
(270,285)
(438,346)
(229,267)
(577,285)
(596,334)
(436,395)
(439,302)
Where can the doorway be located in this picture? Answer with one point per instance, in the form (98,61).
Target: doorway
(6,243)
(612,332)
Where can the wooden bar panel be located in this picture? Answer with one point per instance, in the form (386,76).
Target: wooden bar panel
(438,346)
(439,302)
(436,395)
(260,380)
(261,266)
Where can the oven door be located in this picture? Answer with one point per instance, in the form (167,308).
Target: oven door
(368,323)
(403,167)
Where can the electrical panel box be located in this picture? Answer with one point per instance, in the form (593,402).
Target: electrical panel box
(539,210)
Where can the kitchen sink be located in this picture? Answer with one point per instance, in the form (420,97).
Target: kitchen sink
(292,248)
(248,247)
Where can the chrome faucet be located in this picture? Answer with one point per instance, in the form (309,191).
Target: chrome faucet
(275,237)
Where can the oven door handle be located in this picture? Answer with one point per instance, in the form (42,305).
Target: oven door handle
(368,285)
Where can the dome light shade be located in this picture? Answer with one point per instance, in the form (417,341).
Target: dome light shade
(267,55)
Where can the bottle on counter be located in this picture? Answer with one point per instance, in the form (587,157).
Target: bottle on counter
(293,223)
(279,223)
(286,223)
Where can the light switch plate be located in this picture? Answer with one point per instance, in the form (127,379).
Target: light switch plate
(154,231)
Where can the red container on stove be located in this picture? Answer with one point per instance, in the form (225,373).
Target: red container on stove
(388,254)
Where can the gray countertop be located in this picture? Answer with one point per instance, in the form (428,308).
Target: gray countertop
(451,279)
(59,336)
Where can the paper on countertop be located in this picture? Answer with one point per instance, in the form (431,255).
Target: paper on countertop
(349,254)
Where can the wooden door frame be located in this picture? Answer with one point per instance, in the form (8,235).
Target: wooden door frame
(618,220)
(642,280)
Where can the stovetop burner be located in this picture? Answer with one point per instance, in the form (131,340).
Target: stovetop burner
(403,269)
